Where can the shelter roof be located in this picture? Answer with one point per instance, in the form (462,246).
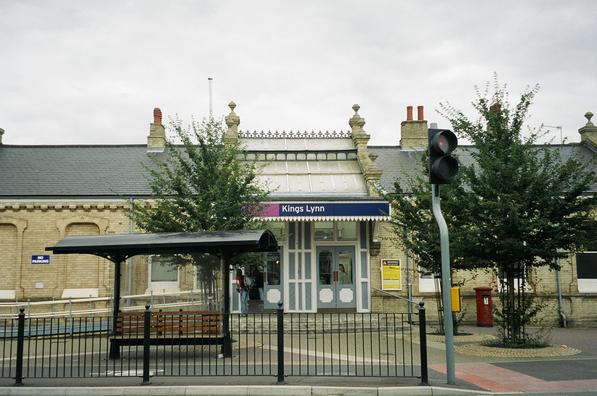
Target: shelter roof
(122,246)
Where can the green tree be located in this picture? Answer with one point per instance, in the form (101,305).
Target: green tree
(514,204)
(200,184)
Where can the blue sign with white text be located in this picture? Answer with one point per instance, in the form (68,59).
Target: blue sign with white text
(307,209)
(40,259)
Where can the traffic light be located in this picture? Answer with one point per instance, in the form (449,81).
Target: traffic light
(442,166)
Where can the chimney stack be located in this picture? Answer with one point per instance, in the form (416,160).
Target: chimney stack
(1,133)
(413,134)
(156,141)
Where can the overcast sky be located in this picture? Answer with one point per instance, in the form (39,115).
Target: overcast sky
(91,72)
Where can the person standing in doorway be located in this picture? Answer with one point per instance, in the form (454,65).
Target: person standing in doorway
(345,277)
(259,281)
(241,287)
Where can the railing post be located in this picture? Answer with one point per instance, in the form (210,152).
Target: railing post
(423,344)
(280,320)
(146,344)
(70,316)
(114,345)
(20,347)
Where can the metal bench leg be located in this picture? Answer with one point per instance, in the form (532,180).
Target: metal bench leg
(227,345)
(114,350)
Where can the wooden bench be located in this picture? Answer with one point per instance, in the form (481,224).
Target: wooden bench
(168,328)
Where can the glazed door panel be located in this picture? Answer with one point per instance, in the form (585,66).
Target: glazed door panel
(336,277)
(273,281)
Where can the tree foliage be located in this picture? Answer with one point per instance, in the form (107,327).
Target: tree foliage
(201,184)
(512,203)
(520,204)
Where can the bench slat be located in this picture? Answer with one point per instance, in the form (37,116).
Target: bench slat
(172,323)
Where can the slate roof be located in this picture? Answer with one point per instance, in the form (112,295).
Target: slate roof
(116,171)
(73,171)
(397,163)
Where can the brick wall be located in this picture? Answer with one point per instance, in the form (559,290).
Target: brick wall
(28,228)
(580,308)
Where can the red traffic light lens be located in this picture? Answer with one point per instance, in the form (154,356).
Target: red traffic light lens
(443,142)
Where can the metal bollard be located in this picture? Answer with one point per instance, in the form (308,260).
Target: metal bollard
(146,344)
(20,347)
(423,345)
(280,319)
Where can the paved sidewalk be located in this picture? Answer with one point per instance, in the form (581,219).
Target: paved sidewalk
(530,373)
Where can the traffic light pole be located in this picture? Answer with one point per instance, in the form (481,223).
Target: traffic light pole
(446,284)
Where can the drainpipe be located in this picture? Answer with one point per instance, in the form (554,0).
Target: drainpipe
(129,261)
(408,280)
(560,302)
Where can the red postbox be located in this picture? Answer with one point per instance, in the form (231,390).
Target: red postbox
(484,307)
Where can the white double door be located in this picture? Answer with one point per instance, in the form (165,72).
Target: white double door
(336,272)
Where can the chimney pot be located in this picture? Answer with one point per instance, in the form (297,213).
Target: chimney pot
(409,113)
(1,133)
(420,114)
(157,116)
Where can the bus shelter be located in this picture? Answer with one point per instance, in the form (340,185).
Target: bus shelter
(117,248)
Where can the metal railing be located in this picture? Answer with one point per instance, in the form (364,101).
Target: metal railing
(183,344)
(88,306)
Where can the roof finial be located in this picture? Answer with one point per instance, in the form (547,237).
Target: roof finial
(356,122)
(232,121)
(588,133)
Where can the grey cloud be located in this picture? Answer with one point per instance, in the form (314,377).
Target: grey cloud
(91,72)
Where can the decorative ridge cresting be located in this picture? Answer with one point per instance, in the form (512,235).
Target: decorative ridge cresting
(295,134)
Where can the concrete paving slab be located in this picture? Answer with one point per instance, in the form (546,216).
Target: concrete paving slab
(344,391)
(442,391)
(555,370)
(96,391)
(276,390)
(237,390)
(410,390)
(148,390)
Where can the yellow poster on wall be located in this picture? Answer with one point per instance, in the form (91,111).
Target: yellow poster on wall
(390,274)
